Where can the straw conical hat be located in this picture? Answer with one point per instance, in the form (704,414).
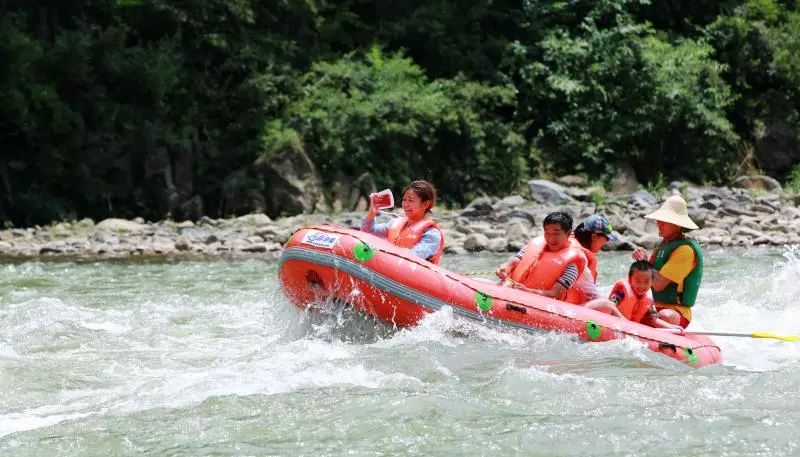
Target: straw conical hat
(675,212)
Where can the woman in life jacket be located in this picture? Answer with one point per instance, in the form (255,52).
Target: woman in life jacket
(590,236)
(677,262)
(548,265)
(414,230)
(631,298)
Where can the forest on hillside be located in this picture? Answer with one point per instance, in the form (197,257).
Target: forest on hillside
(179,108)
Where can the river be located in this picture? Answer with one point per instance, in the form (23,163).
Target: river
(209,358)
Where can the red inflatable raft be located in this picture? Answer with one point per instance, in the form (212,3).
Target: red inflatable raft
(391,284)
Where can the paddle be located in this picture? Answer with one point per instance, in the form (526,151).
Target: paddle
(743,335)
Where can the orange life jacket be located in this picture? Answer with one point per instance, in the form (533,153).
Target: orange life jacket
(407,236)
(541,268)
(591,258)
(632,307)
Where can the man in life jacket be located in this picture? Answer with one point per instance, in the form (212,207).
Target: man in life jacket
(678,262)
(414,230)
(632,299)
(548,265)
(590,236)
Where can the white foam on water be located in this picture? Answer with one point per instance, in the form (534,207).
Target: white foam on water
(21,422)
(303,364)
(757,301)
(7,352)
(106,326)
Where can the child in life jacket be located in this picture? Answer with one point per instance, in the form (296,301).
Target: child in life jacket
(632,299)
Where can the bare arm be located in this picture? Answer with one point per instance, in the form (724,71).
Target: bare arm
(604,306)
(660,282)
(506,268)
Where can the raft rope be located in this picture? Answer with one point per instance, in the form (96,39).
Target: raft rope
(474,289)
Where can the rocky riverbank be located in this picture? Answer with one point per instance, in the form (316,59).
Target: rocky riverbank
(727,217)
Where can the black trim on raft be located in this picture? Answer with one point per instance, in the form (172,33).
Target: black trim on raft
(401,291)
(517,308)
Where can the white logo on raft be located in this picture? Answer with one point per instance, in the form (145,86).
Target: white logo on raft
(320,239)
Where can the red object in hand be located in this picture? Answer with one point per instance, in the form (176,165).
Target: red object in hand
(383,199)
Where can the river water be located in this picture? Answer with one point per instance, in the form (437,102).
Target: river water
(208,358)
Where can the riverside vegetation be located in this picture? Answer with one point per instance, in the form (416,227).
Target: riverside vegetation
(213,109)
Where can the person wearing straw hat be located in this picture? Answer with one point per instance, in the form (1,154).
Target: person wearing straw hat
(677,261)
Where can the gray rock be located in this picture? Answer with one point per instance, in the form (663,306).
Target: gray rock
(84,225)
(517,232)
(731,210)
(455,250)
(258,247)
(480,207)
(778,147)
(291,182)
(183,244)
(510,202)
(698,216)
(548,192)
(710,204)
(622,244)
(207,221)
(579,194)
(476,242)
(758,182)
(521,214)
(253,220)
(648,240)
(642,199)
(572,181)
(122,225)
(498,245)
(760,208)
(741,231)
(625,181)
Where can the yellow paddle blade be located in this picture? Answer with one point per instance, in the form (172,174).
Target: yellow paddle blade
(776,337)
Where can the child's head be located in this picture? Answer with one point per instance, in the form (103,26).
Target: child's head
(640,277)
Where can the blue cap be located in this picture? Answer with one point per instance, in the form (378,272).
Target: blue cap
(599,224)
